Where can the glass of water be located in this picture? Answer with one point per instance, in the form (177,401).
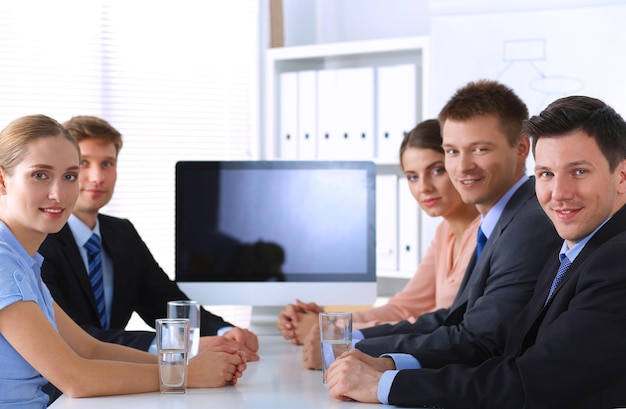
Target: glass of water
(190,310)
(335,336)
(172,336)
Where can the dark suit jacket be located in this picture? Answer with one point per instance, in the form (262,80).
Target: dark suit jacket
(139,284)
(493,290)
(570,353)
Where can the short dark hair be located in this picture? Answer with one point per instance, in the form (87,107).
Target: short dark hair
(426,134)
(486,97)
(91,127)
(581,113)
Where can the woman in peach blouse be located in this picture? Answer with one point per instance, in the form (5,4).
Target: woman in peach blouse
(441,271)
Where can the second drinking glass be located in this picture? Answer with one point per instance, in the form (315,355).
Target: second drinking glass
(191,310)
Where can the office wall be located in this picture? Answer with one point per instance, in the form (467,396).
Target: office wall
(328,21)
(544,49)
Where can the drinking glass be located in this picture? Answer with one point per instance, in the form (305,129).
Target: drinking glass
(172,336)
(335,336)
(190,310)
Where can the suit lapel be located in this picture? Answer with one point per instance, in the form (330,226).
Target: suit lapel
(476,268)
(108,236)
(537,308)
(524,193)
(614,226)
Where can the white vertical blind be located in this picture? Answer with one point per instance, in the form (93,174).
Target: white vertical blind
(49,61)
(178,80)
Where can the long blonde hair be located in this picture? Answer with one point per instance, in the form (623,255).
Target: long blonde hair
(17,136)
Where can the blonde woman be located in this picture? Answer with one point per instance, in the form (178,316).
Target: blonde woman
(39,166)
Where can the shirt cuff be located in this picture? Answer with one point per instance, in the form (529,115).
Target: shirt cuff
(384,386)
(356,337)
(223,330)
(404,361)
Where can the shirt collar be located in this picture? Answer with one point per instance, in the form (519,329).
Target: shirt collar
(572,253)
(81,232)
(489,221)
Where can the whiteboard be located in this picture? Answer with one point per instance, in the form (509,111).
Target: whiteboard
(542,55)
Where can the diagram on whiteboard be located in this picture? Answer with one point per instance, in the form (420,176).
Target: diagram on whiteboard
(526,54)
(541,54)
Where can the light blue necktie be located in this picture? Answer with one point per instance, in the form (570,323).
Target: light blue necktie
(565,263)
(94,259)
(481,239)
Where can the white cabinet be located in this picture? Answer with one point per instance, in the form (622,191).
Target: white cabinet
(354,101)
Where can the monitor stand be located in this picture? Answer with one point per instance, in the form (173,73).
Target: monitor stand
(263,320)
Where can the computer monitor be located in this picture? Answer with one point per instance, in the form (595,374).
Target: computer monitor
(263,233)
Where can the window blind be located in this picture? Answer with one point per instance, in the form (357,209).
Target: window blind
(179,82)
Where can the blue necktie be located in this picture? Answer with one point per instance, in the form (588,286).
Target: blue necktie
(480,242)
(565,263)
(94,259)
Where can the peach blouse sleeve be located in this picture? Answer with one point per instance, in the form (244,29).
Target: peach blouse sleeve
(433,286)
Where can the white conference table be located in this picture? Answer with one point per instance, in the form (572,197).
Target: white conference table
(278,380)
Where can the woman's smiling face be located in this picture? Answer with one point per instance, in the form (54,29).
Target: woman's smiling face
(39,192)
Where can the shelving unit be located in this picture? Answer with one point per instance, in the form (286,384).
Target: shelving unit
(374,53)
(400,246)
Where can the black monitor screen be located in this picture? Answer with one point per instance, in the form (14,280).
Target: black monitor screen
(275,221)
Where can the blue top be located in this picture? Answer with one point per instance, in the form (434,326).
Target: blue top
(20,280)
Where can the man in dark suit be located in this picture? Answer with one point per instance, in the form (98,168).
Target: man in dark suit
(486,161)
(566,348)
(133,281)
